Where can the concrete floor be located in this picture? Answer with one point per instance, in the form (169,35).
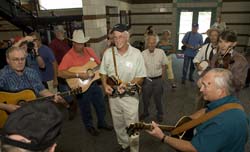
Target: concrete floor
(177,103)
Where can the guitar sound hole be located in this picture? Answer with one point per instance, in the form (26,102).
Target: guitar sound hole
(21,102)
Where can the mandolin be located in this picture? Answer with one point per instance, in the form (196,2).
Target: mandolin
(130,90)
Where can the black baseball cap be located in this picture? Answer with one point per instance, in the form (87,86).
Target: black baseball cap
(120,28)
(195,25)
(40,122)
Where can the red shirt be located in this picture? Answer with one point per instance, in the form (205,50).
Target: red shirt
(74,59)
(60,48)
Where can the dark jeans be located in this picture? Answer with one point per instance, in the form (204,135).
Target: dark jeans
(62,87)
(188,62)
(153,88)
(92,96)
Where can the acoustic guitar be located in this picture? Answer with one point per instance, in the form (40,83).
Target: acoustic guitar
(134,128)
(91,66)
(24,96)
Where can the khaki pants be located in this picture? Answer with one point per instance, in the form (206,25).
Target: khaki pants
(170,73)
(124,112)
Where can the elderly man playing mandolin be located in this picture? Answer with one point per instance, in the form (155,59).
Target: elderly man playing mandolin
(125,63)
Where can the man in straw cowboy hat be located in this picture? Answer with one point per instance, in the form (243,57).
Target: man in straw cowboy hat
(204,56)
(80,55)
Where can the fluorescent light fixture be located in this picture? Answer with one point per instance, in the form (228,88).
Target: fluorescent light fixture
(59,4)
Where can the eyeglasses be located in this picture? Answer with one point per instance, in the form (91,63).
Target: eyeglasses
(18,59)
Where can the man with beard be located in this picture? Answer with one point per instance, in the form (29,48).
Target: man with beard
(79,55)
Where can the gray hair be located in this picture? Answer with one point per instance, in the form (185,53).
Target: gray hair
(223,78)
(152,35)
(12,49)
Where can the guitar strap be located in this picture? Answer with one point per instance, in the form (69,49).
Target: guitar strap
(115,66)
(205,117)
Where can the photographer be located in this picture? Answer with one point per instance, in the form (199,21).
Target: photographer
(33,59)
(49,74)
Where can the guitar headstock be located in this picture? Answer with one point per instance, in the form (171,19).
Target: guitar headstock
(134,128)
(76,91)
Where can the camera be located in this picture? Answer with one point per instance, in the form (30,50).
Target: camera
(30,47)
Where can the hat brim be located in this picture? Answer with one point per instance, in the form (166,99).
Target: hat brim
(86,39)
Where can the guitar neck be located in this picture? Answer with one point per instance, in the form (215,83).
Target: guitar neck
(96,68)
(63,94)
(162,127)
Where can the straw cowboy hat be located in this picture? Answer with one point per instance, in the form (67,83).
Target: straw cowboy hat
(79,37)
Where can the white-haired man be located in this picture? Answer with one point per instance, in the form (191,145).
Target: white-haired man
(155,62)
(226,132)
(130,70)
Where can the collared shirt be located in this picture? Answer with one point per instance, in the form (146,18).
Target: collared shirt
(72,58)
(154,62)
(10,81)
(60,48)
(193,39)
(226,132)
(129,65)
(205,54)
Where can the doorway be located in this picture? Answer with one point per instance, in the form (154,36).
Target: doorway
(186,17)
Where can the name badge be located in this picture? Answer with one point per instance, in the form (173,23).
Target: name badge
(91,59)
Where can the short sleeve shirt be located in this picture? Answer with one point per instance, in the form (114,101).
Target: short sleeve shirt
(226,132)
(74,59)
(129,65)
(154,62)
(193,39)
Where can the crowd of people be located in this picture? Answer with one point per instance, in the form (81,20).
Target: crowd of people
(125,72)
